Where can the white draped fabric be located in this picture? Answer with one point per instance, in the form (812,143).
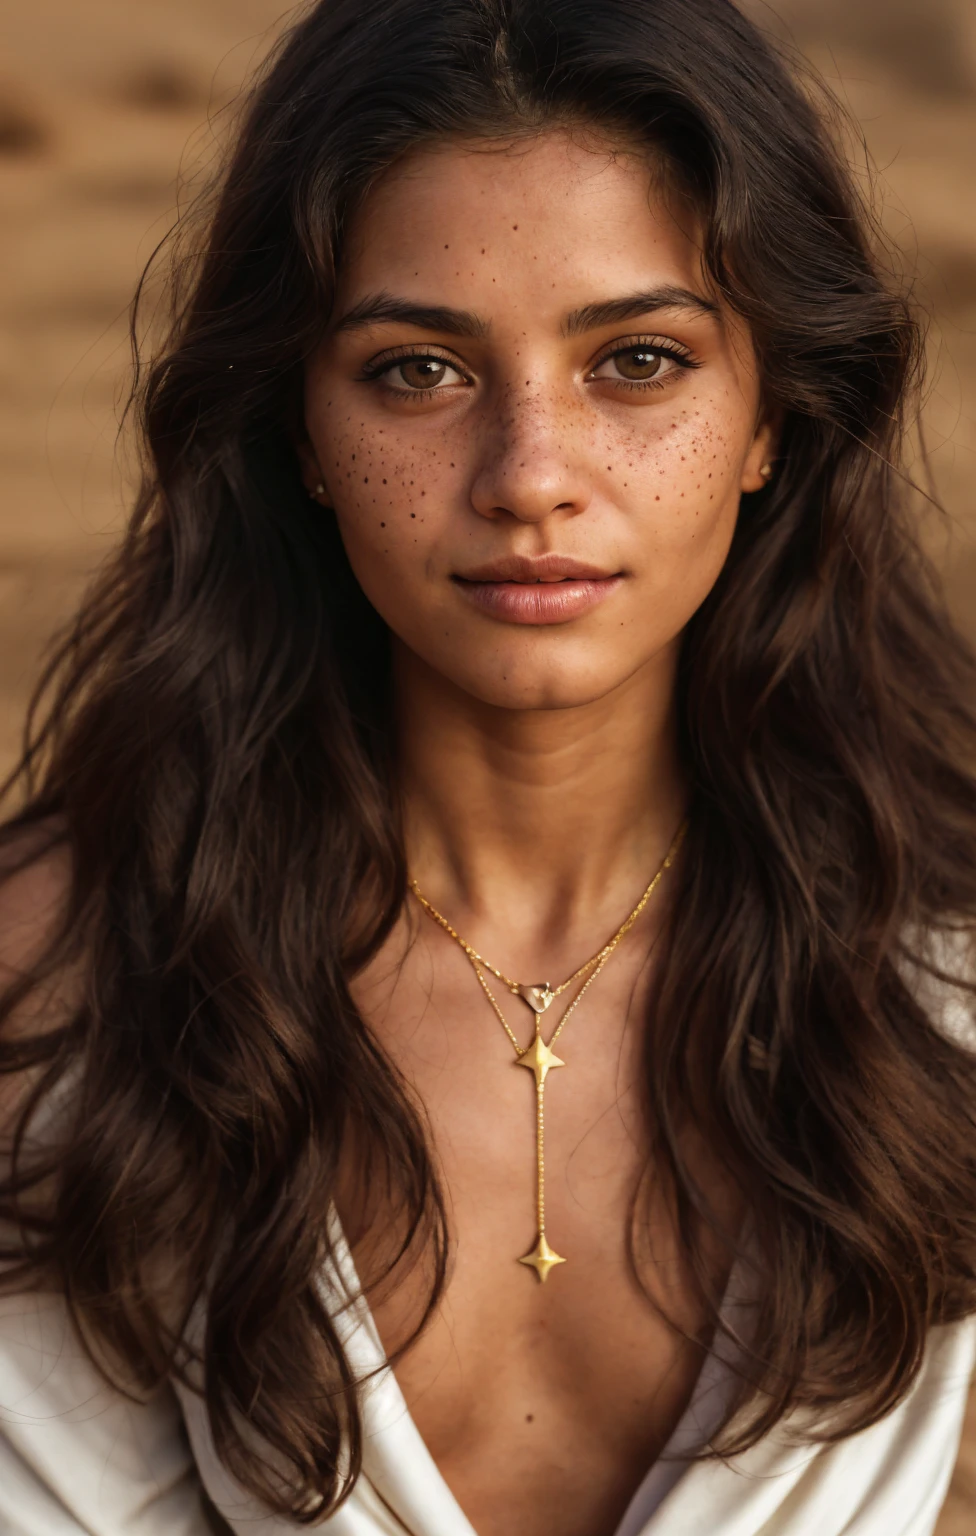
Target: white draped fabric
(77,1457)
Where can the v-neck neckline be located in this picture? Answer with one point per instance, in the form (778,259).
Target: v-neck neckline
(398,1464)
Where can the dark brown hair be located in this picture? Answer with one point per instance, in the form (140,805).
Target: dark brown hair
(210,749)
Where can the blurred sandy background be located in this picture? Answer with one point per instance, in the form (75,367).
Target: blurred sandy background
(102,102)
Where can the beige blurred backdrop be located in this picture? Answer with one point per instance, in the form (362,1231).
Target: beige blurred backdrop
(105,104)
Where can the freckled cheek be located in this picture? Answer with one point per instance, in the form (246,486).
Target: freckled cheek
(683,481)
(683,496)
(388,492)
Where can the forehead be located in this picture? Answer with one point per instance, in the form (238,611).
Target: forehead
(534,224)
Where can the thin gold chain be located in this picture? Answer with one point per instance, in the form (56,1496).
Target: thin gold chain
(540,1087)
(539,1056)
(598,960)
(520,1050)
(476,959)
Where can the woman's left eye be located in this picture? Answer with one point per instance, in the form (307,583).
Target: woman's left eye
(638,365)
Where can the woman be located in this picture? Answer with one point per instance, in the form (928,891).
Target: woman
(519,655)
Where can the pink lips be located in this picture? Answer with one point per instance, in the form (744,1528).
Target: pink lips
(546,589)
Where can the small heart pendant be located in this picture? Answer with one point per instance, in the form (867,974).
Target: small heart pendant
(538,997)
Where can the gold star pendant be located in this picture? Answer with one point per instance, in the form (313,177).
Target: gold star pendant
(543,1258)
(539,1058)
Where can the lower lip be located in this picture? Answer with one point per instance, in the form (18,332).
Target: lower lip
(538,602)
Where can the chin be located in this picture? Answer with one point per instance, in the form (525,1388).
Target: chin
(532,687)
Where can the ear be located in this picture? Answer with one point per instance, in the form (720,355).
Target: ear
(760,461)
(312,477)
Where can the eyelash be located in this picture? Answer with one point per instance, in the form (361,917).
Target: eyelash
(656,344)
(375,370)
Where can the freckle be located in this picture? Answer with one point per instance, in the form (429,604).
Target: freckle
(482,250)
(529,1418)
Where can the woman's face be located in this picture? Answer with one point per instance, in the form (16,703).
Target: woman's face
(533,419)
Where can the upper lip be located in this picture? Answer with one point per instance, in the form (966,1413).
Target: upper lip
(531,568)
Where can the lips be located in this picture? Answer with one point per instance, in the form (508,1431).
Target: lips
(544,589)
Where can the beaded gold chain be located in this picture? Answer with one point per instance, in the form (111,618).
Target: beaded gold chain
(539,1057)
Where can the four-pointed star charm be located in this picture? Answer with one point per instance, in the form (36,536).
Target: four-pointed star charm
(542,1258)
(539,1058)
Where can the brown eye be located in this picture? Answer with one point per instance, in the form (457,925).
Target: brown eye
(649,363)
(637,364)
(421,373)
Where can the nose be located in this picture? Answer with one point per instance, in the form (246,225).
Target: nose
(530,468)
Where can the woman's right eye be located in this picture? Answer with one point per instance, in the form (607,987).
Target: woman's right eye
(414,373)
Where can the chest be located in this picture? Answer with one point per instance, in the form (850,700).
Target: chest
(543,1404)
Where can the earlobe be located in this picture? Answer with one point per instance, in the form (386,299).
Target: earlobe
(312,477)
(754,479)
(760,466)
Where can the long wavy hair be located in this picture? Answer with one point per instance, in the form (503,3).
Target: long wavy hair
(209,757)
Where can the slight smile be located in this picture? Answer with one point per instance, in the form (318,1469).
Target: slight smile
(545,589)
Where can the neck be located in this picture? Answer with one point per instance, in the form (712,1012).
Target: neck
(537,829)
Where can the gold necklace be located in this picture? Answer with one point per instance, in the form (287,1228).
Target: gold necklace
(540,1057)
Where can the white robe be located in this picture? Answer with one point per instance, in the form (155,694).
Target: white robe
(77,1457)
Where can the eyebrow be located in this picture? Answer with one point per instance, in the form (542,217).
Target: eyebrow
(613,311)
(378,308)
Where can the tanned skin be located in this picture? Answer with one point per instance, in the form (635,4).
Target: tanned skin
(505,379)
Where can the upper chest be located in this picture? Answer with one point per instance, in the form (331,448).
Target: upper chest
(567,1389)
